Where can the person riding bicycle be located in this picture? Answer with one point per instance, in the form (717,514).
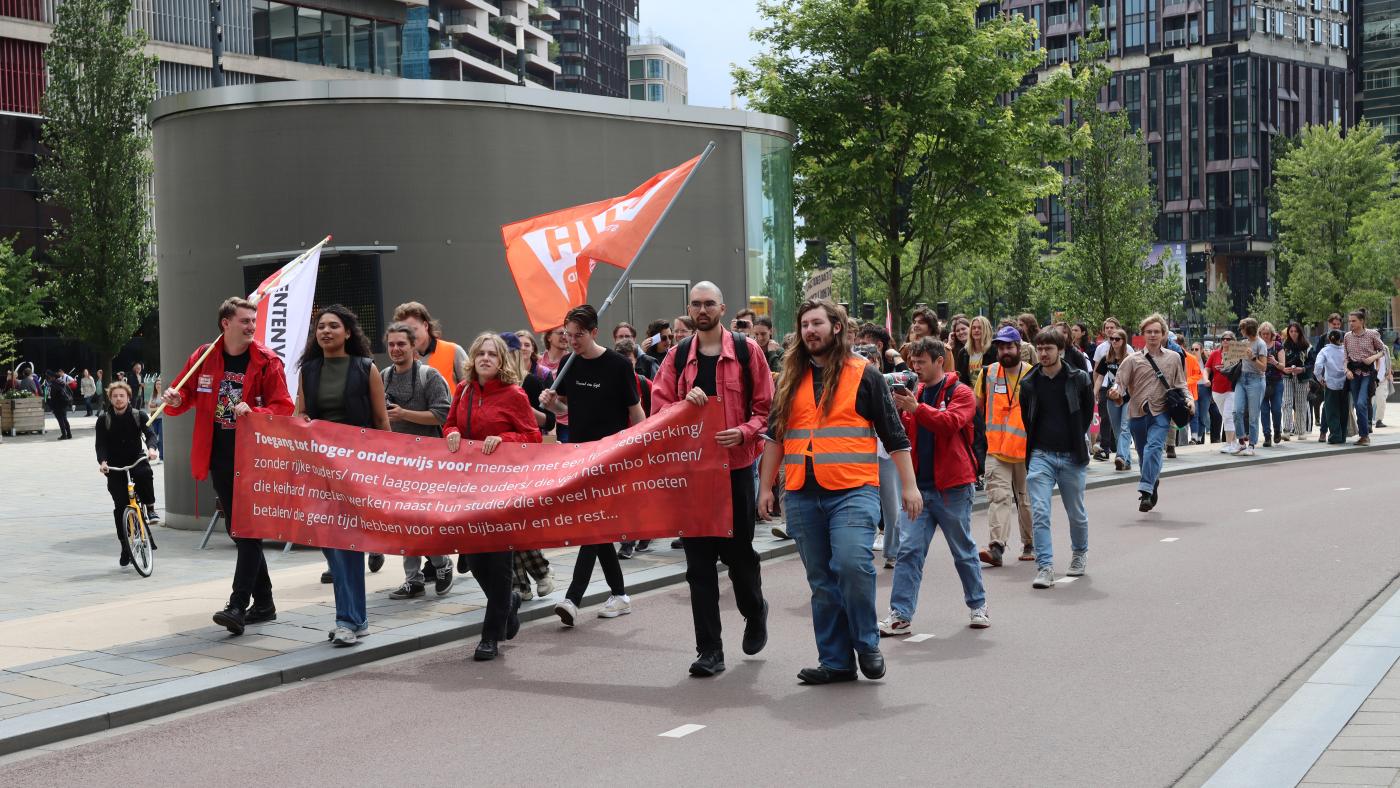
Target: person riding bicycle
(119,432)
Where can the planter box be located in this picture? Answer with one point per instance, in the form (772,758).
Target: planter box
(22,415)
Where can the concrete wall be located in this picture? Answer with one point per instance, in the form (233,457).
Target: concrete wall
(434,178)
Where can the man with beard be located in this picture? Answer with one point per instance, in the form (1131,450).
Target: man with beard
(830,407)
(999,390)
(710,362)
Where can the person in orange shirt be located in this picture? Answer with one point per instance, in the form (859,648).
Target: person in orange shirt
(1195,373)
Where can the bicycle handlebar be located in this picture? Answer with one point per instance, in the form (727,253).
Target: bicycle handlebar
(143,458)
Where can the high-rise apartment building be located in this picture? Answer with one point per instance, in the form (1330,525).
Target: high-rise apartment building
(656,71)
(1379,55)
(593,36)
(1211,84)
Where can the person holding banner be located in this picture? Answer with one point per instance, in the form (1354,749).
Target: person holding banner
(243,377)
(489,406)
(827,413)
(732,366)
(339,383)
(598,391)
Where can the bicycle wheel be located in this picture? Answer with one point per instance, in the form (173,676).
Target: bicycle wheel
(140,543)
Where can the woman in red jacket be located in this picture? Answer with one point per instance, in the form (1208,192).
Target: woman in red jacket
(489,406)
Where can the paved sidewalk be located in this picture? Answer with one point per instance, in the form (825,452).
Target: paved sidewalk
(86,646)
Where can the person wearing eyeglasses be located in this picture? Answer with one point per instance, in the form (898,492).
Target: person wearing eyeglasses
(1222,394)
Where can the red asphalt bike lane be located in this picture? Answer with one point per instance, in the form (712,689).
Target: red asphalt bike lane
(1124,677)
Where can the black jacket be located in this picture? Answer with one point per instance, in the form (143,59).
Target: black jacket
(962,362)
(1081,407)
(119,436)
(357,407)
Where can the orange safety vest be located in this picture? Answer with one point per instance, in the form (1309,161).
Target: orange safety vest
(444,360)
(1006,431)
(841,446)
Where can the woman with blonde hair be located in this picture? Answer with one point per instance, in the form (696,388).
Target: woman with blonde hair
(968,360)
(490,406)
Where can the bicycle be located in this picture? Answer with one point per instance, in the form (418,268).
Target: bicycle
(138,538)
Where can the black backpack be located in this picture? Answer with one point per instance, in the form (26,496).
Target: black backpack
(681,354)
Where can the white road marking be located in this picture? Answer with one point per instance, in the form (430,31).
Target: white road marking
(917,638)
(1340,489)
(684,730)
(1067,580)
(1252,511)
(1171,539)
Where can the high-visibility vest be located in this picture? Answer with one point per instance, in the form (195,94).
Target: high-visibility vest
(444,360)
(1006,431)
(841,445)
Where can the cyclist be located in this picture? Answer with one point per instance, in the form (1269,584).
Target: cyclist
(119,432)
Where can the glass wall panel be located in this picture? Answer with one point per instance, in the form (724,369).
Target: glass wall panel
(309,36)
(361,46)
(261,33)
(768,225)
(282,31)
(336,41)
(386,48)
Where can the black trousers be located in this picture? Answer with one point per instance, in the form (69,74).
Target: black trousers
(1107,433)
(493,572)
(250,580)
(61,416)
(738,554)
(605,554)
(144,480)
(979,442)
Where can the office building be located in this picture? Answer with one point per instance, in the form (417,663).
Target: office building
(1379,56)
(656,71)
(1211,84)
(593,36)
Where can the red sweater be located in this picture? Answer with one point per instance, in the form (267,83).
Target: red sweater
(264,389)
(496,409)
(1219,384)
(954,463)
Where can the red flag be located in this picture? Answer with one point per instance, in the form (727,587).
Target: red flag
(552,256)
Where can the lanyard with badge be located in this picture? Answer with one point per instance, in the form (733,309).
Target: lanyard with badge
(1001,386)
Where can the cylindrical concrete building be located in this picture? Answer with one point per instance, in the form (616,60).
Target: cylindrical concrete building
(414,180)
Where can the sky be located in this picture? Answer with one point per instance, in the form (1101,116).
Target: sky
(713,33)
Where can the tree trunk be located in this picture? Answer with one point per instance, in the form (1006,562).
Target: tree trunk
(892,293)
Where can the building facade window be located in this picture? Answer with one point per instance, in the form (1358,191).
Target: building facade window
(635,68)
(655,69)
(656,93)
(325,38)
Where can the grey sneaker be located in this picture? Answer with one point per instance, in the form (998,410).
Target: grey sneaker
(343,637)
(979,618)
(1045,578)
(1076,566)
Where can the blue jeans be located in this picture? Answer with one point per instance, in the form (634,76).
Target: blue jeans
(1272,408)
(1150,436)
(348,571)
(1045,470)
(1360,388)
(1118,415)
(889,505)
(1200,420)
(1249,399)
(952,511)
(835,535)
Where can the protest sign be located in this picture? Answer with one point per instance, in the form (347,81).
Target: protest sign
(331,485)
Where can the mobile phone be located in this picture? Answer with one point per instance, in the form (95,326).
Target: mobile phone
(656,339)
(741,324)
(899,388)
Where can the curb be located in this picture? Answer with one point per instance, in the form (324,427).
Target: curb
(99,714)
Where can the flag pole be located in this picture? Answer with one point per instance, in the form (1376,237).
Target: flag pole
(626,272)
(210,347)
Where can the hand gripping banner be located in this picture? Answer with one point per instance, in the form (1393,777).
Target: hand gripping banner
(330,485)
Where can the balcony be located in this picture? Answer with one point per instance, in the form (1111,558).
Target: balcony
(1174,38)
(1056,56)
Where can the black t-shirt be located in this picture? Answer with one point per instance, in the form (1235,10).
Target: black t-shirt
(1054,429)
(705,374)
(600,392)
(230,393)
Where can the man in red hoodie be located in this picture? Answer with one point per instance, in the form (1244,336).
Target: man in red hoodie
(239,377)
(938,418)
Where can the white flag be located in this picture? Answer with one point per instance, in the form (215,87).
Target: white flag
(284,315)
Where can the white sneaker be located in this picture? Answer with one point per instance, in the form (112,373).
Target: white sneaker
(1238,449)
(979,618)
(567,611)
(880,540)
(616,606)
(1248,451)
(545,585)
(1228,448)
(893,625)
(343,636)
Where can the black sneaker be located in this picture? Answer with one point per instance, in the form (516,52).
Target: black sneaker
(1171,452)
(625,551)
(644,546)
(825,675)
(125,560)
(677,544)
(872,665)
(376,562)
(327,578)
(230,618)
(260,615)
(486,650)
(444,580)
(1145,502)
(755,635)
(708,664)
(408,590)
(152,516)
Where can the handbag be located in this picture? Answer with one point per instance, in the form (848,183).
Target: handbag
(1178,406)
(1232,373)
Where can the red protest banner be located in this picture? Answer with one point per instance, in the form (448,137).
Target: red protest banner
(329,485)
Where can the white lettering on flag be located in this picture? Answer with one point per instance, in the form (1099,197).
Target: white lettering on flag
(284,316)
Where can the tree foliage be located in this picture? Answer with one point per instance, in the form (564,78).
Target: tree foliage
(1269,308)
(21,297)
(906,142)
(100,84)
(1220,308)
(1339,226)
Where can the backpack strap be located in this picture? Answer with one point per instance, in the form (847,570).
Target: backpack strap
(681,356)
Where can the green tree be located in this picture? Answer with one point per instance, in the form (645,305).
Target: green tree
(100,84)
(1336,215)
(1026,269)
(1220,308)
(905,136)
(1269,308)
(21,297)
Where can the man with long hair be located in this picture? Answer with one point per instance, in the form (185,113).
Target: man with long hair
(830,407)
(240,377)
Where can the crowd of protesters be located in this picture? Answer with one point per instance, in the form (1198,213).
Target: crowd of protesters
(864,444)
